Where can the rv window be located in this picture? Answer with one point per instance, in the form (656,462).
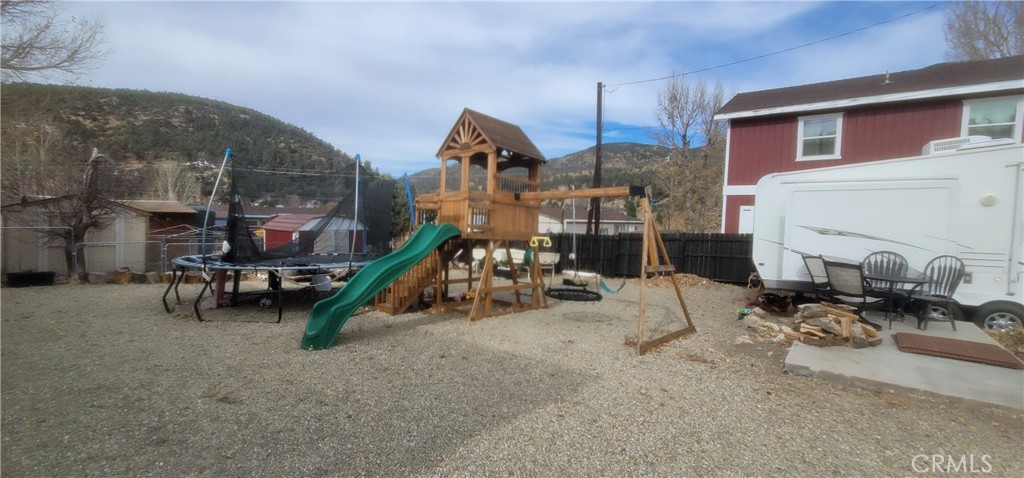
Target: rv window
(993,117)
(819,137)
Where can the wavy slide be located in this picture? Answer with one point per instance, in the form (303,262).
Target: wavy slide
(330,314)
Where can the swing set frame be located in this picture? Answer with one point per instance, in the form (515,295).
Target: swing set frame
(655,260)
(498,209)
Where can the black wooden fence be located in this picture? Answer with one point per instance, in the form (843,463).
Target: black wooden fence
(720,257)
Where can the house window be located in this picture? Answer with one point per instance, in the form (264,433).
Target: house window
(993,117)
(819,137)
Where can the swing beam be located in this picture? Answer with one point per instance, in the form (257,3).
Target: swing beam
(654,257)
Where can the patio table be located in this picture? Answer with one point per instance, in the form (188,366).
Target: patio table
(910,277)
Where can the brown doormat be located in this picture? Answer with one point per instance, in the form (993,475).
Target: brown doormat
(956,349)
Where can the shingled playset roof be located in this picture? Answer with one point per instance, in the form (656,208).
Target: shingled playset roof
(500,134)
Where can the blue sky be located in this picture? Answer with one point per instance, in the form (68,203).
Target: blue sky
(388,80)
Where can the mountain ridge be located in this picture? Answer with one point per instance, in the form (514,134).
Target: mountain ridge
(138,128)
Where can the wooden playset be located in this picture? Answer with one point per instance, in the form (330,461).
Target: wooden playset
(490,190)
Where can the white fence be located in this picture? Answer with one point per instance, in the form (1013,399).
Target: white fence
(29,249)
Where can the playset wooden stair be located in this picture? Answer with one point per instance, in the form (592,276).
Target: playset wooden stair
(401,294)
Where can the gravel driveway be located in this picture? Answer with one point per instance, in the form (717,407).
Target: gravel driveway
(97,380)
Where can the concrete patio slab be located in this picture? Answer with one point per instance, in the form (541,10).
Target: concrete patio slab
(886,368)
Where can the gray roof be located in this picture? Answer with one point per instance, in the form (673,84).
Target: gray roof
(937,77)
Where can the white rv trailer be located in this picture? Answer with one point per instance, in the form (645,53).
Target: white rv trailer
(965,202)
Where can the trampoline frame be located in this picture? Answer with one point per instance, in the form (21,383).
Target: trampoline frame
(211,265)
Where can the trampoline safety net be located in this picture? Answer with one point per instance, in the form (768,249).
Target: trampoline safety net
(303,215)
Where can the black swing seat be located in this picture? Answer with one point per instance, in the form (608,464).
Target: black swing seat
(577,290)
(572,294)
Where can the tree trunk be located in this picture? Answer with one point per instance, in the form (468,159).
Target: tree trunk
(83,273)
(69,256)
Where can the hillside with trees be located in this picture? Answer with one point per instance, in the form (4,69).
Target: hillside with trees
(139,127)
(623,164)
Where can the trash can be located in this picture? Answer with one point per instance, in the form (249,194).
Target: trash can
(28,279)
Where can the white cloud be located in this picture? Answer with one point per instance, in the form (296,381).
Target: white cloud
(387,80)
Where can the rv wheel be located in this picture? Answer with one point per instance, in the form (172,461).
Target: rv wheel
(1002,316)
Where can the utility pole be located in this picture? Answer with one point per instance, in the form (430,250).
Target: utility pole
(594,214)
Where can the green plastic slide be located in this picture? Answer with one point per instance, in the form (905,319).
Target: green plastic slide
(330,314)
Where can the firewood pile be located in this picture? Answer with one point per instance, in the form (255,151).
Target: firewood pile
(822,325)
(825,325)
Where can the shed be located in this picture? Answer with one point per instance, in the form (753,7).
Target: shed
(122,243)
(285,228)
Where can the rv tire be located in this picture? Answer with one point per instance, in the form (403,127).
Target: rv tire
(999,316)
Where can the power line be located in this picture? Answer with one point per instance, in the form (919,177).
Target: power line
(833,37)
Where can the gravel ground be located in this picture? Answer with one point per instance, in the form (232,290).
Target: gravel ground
(100,381)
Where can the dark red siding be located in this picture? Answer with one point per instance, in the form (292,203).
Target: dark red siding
(897,131)
(762,146)
(274,238)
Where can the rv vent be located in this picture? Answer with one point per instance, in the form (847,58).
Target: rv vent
(950,144)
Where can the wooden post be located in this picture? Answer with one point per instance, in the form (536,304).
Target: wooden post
(444,176)
(513,273)
(643,283)
(492,172)
(484,286)
(654,251)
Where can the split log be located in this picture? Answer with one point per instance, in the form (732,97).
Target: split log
(827,324)
(795,335)
(808,330)
(813,312)
(840,313)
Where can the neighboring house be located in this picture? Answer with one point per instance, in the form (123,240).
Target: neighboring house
(257,216)
(285,228)
(885,116)
(553,220)
(165,217)
(121,244)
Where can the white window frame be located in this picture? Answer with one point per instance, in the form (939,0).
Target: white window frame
(966,116)
(800,137)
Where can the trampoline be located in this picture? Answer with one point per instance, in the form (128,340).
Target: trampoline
(319,269)
(312,245)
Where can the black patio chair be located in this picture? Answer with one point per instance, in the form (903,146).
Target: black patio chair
(887,263)
(883,262)
(849,287)
(936,296)
(819,278)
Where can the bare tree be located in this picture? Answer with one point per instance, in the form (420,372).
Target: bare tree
(176,181)
(984,30)
(30,152)
(81,205)
(68,196)
(686,126)
(39,43)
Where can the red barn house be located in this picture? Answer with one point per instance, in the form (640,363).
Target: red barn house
(885,116)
